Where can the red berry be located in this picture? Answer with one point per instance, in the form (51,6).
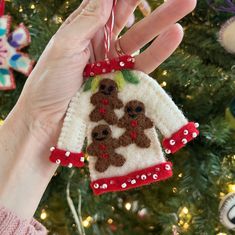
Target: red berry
(133,135)
(104,155)
(102,147)
(102,110)
(134,123)
(105,102)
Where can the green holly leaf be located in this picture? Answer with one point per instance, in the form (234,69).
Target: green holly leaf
(130,77)
(87,85)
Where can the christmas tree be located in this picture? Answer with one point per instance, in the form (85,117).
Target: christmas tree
(200,76)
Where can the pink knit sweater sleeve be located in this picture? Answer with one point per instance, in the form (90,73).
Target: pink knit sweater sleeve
(11,224)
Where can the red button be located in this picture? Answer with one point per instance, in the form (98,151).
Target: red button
(102,110)
(102,147)
(105,102)
(133,135)
(134,123)
(104,155)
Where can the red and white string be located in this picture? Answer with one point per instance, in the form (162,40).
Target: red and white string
(108,30)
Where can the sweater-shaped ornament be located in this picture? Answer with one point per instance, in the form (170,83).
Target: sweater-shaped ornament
(118,110)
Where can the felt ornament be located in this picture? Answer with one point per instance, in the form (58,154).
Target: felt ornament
(11,58)
(230,114)
(119,123)
(227,211)
(227,35)
(117,111)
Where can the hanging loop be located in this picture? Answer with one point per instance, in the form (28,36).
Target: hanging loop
(2,7)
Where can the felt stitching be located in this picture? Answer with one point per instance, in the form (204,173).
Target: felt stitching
(103,147)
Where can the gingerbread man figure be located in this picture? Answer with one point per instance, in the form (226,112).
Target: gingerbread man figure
(106,101)
(103,147)
(135,122)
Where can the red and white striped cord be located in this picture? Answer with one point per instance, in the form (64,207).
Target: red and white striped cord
(2,7)
(108,30)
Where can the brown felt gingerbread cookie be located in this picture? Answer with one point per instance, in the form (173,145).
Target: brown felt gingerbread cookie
(106,101)
(135,122)
(103,147)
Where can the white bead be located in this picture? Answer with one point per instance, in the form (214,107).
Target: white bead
(184,141)
(98,64)
(196,125)
(122,64)
(194,134)
(143,177)
(124,185)
(104,70)
(155,176)
(133,182)
(58,161)
(168,151)
(52,149)
(82,159)
(104,186)
(70,165)
(185,132)
(167,167)
(92,74)
(67,154)
(172,142)
(96,186)
(129,59)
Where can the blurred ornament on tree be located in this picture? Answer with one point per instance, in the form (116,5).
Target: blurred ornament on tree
(10,55)
(227,211)
(230,114)
(227,35)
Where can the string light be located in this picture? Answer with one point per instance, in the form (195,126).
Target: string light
(110,221)
(1,122)
(163,84)
(221,233)
(185,218)
(174,189)
(128,206)
(164,73)
(32,6)
(21,9)
(43,215)
(180,175)
(231,188)
(87,222)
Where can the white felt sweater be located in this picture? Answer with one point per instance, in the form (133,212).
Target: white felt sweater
(166,116)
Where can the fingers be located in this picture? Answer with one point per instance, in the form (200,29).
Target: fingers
(148,28)
(163,46)
(75,13)
(123,11)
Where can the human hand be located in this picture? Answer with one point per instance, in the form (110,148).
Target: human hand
(59,72)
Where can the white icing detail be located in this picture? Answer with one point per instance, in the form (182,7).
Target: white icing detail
(196,125)
(70,165)
(167,167)
(133,182)
(185,132)
(104,186)
(52,149)
(172,142)
(82,159)
(184,141)
(104,70)
(143,177)
(124,185)
(155,176)
(96,186)
(168,151)
(58,161)
(67,154)
(194,134)
(98,64)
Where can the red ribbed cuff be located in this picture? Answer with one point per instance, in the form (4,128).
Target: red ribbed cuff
(109,66)
(66,158)
(133,180)
(179,139)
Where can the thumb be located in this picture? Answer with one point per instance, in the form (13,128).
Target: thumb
(92,18)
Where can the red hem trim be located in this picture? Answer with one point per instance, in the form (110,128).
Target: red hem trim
(135,179)
(180,138)
(66,158)
(109,66)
